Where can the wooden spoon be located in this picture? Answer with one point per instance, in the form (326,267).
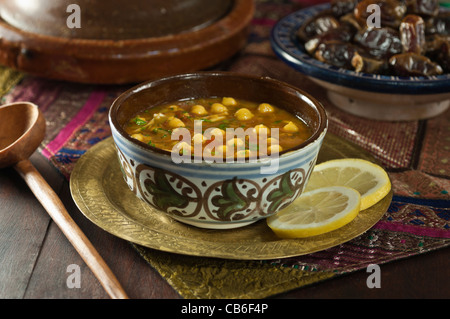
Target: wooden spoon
(22,129)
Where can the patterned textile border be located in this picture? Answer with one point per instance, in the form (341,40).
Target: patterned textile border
(416,155)
(423,227)
(409,227)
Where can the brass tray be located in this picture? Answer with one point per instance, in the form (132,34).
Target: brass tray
(102,195)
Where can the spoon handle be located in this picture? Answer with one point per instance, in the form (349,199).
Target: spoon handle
(51,202)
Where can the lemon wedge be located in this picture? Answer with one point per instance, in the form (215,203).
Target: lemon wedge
(316,212)
(369,179)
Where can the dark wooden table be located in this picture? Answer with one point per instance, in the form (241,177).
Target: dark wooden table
(35,256)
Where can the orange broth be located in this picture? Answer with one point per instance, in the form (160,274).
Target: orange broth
(156,127)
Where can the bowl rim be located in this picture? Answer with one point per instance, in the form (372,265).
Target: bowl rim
(289,49)
(311,101)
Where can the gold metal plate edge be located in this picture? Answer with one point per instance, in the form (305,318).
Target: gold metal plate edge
(101,194)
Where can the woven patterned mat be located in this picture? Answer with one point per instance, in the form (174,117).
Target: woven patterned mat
(416,155)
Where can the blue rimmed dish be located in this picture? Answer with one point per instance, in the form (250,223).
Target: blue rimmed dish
(373,96)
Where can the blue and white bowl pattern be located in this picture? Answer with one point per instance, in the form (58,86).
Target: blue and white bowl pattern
(217,195)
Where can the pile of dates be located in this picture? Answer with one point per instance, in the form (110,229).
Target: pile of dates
(395,37)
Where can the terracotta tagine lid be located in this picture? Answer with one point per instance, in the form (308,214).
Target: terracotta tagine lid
(120,41)
(113,19)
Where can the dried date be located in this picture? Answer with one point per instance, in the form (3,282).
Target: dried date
(343,7)
(443,56)
(344,33)
(438,49)
(413,40)
(339,54)
(316,26)
(439,24)
(412,34)
(379,42)
(349,18)
(412,64)
(434,42)
(423,7)
(367,64)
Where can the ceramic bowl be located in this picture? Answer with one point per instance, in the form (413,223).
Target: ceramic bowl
(216,195)
(372,96)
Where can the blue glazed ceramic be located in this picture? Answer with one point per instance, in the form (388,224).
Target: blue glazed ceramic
(369,95)
(216,195)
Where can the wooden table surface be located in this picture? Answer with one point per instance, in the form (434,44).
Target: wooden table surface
(35,256)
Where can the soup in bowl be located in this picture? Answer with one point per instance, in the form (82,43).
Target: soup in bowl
(216,149)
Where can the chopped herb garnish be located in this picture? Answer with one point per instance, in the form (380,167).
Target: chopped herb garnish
(165,130)
(139,121)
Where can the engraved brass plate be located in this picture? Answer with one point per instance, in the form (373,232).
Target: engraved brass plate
(98,189)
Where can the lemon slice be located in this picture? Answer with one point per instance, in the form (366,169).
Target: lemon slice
(316,212)
(369,179)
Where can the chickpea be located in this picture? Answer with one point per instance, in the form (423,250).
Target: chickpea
(265,108)
(198,138)
(290,127)
(243,114)
(221,149)
(216,117)
(229,101)
(183,148)
(274,149)
(235,142)
(217,132)
(173,107)
(218,108)
(261,128)
(176,122)
(199,110)
(272,141)
(138,137)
